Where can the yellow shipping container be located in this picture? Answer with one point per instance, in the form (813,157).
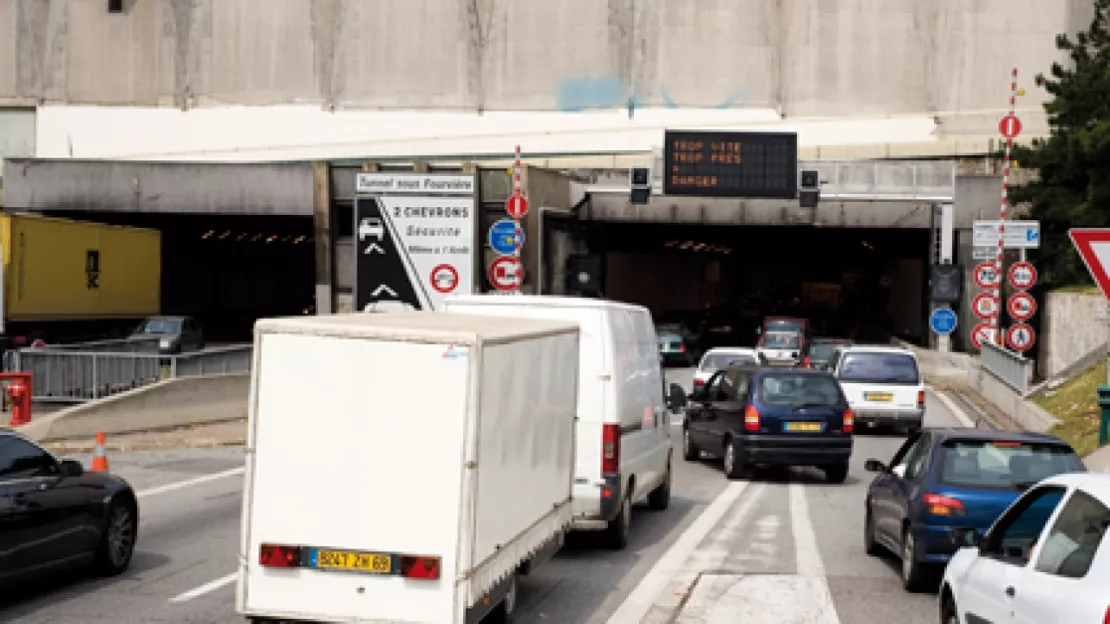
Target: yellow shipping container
(58,269)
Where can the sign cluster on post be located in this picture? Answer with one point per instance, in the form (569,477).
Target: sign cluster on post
(506,238)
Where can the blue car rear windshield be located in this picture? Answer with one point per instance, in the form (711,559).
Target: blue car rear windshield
(1004,464)
(878,368)
(799,390)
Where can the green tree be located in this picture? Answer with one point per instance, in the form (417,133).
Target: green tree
(1073,189)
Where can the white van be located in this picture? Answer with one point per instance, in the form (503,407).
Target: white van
(883,385)
(624,430)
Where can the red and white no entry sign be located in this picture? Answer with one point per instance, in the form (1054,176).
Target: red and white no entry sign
(985,305)
(1020,337)
(983,332)
(505,273)
(1009,126)
(1022,275)
(1022,306)
(445,278)
(986,275)
(517,206)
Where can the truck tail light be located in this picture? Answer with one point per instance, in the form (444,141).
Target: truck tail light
(699,382)
(610,448)
(938,505)
(751,418)
(280,556)
(849,421)
(921,399)
(420,567)
(1106,618)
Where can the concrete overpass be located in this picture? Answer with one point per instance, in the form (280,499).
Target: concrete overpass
(801,58)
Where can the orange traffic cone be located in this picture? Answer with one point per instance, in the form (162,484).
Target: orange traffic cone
(99,460)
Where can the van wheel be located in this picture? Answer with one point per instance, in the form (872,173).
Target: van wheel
(689,451)
(660,497)
(619,528)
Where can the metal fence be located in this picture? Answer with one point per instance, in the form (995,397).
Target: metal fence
(74,376)
(1010,368)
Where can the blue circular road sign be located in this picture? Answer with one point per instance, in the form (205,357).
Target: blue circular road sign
(506,237)
(943,321)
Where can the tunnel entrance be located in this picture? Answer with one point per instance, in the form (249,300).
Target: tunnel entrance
(865,284)
(228,270)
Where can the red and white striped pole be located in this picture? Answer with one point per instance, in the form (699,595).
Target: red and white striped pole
(517,193)
(996,318)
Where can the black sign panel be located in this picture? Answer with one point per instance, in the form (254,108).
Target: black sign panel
(731,164)
(382,281)
(946,284)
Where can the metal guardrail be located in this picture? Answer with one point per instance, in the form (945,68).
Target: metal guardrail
(138,344)
(75,376)
(1010,368)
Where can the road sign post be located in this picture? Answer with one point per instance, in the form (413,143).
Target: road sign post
(943,322)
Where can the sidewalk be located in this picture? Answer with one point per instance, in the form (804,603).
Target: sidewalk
(1099,460)
(231,433)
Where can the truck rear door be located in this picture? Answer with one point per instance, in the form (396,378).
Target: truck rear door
(353,486)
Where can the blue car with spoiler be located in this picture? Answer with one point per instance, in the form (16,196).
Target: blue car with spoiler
(945,479)
(762,416)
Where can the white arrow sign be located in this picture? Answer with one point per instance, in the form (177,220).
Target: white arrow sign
(374,247)
(381,288)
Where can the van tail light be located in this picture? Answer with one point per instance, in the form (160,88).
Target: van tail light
(1106,618)
(610,448)
(849,421)
(921,399)
(682,347)
(420,567)
(279,556)
(699,382)
(938,505)
(751,418)
(807,362)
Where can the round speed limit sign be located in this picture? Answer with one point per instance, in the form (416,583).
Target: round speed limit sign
(986,275)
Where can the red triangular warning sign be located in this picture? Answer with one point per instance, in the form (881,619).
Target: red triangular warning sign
(1093,245)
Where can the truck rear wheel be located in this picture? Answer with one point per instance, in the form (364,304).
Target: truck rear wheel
(660,497)
(619,528)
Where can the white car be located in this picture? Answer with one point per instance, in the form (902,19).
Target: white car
(781,347)
(1046,560)
(719,357)
(883,385)
(371,226)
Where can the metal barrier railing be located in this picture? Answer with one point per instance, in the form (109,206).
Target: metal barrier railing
(1010,368)
(73,376)
(138,344)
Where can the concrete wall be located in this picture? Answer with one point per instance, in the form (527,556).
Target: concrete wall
(131,186)
(803,57)
(170,403)
(17,135)
(1070,330)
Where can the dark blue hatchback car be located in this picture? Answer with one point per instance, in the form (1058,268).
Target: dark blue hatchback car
(752,416)
(942,479)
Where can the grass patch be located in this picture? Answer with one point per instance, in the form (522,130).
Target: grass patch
(1075,403)
(1081,289)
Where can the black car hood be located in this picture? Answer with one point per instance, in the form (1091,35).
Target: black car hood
(105,480)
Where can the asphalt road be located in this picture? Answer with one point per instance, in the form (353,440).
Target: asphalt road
(189,540)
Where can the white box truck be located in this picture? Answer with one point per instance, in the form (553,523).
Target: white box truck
(404,467)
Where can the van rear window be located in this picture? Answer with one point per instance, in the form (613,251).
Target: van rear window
(799,390)
(1003,463)
(880,368)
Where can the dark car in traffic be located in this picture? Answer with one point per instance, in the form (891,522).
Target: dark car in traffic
(54,515)
(175,334)
(758,416)
(821,350)
(677,345)
(945,479)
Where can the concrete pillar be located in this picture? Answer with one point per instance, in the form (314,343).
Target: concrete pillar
(321,222)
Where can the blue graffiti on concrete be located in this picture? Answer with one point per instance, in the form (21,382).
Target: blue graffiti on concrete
(577,94)
(581,93)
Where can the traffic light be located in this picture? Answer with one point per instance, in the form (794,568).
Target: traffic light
(639,179)
(946,283)
(809,188)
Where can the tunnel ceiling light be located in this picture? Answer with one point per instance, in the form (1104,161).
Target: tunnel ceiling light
(224,235)
(686,245)
(298,240)
(270,239)
(241,237)
(670,243)
(699,246)
(207,234)
(256,237)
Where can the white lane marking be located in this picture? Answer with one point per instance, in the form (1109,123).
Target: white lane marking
(808,556)
(955,409)
(207,588)
(642,598)
(179,485)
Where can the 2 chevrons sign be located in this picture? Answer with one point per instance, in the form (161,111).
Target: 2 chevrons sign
(414,240)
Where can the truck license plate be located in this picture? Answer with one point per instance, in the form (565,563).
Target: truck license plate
(373,563)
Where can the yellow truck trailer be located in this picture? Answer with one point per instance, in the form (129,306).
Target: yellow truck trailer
(58,270)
